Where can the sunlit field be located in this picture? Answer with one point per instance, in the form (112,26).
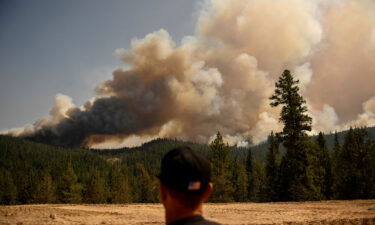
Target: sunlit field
(325,212)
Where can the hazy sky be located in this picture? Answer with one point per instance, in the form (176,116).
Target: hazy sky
(49,47)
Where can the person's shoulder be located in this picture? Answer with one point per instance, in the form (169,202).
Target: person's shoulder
(196,220)
(208,222)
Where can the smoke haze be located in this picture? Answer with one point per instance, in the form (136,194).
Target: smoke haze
(220,79)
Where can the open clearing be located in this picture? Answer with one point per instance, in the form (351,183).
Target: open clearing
(325,212)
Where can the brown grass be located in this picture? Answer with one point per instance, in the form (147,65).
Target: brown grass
(326,212)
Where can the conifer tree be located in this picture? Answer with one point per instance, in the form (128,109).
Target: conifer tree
(122,191)
(345,180)
(250,175)
(70,191)
(8,191)
(220,165)
(295,180)
(96,189)
(272,169)
(145,186)
(336,146)
(325,162)
(351,180)
(316,172)
(119,186)
(293,114)
(335,164)
(259,194)
(370,171)
(240,182)
(25,181)
(45,190)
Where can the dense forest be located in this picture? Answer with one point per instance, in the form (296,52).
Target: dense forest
(290,166)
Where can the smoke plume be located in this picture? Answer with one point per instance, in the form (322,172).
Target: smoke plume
(220,79)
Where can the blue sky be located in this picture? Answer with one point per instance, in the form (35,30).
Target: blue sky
(49,47)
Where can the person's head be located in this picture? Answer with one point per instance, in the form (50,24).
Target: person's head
(185,178)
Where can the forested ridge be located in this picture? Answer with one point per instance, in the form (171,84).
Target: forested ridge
(290,166)
(35,173)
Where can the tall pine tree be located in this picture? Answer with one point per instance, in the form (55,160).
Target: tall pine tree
(295,180)
(119,188)
(272,170)
(96,191)
(325,162)
(259,194)
(370,170)
(353,172)
(336,146)
(240,181)
(8,191)
(146,186)
(250,175)
(45,190)
(69,190)
(335,164)
(220,165)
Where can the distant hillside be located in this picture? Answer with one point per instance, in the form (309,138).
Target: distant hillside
(330,138)
(259,151)
(33,173)
(38,173)
(161,145)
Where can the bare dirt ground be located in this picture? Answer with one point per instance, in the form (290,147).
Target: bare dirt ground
(326,212)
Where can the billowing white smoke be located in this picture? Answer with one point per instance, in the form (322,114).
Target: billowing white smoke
(367,116)
(221,78)
(57,113)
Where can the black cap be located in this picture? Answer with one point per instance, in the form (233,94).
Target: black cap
(185,170)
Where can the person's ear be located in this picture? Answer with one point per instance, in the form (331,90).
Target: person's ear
(208,191)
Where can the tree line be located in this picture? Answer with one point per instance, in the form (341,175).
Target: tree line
(295,167)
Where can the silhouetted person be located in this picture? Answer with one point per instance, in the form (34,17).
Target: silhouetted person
(185,183)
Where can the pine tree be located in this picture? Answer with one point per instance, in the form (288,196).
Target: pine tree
(345,179)
(220,165)
(145,187)
(272,169)
(70,191)
(122,192)
(295,179)
(335,164)
(352,167)
(240,181)
(293,116)
(316,172)
(96,189)
(250,175)
(370,170)
(325,162)
(259,194)
(45,190)
(119,186)
(25,180)
(336,146)
(8,191)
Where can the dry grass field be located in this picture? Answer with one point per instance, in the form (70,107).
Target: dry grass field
(326,212)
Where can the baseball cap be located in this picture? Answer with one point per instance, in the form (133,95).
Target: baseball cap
(185,170)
